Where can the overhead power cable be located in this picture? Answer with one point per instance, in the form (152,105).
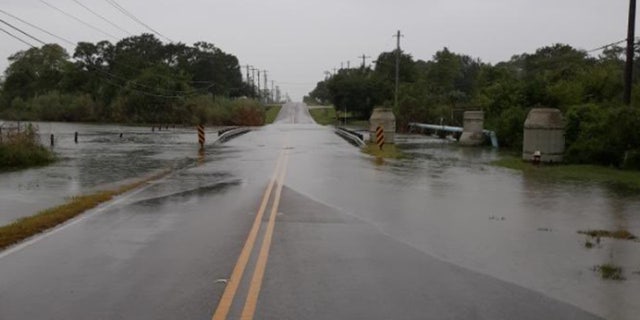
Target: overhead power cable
(19,30)
(150,87)
(78,19)
(102,17)
(151,93)
(73,44)
(16,37)
(134,18)
(38,28)
(607,45)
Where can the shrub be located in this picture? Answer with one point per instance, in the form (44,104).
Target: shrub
(509,127)
(22,149)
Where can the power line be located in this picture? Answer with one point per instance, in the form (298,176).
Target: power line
(150,87)
(134,18)
(78,19)
(38,28)
(16,37)
(19,30)
(607,45)
(102,17)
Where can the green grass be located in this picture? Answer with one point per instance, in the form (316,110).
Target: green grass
(271,113)
(591,173)
(389,151)
(22,150)
(323,116)
(26,227)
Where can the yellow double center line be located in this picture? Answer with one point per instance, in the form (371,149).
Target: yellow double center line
(248,311)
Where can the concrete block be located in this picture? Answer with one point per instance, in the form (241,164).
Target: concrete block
(383,117)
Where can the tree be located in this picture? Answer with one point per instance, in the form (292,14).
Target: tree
(357,91)
(35,71)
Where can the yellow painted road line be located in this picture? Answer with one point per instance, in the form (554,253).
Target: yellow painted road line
(236,276)
(256,281)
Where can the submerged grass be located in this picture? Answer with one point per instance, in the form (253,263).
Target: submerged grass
(610,272)
(26,227)
(389,151)
(598,174)
(618,234)
(271,113)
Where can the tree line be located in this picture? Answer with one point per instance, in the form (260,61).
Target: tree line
(139,79)
(587,89)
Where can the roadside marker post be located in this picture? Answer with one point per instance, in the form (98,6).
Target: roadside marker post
(201,137)
(380,136)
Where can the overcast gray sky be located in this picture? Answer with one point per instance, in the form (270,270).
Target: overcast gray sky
(296,41)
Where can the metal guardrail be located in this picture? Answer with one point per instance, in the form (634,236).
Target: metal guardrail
(351,136)
(227,134)
(222,131)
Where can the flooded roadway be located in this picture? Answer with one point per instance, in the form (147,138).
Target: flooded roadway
(439,235)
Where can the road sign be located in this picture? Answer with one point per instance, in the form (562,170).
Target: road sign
(201,136)
(380,136)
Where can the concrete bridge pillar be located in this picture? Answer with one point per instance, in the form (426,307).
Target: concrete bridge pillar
(543,135)
(473,125)
(383,117)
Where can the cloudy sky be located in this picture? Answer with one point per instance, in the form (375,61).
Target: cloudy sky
(297,40)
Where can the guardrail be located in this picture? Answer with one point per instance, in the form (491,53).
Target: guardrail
(351,136)
(227,134)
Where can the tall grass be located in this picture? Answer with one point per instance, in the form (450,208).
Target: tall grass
(22,149)
(44,220)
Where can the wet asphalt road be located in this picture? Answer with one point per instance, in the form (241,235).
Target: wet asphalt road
(334,239)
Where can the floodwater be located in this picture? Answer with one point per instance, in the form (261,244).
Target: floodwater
(443,200)
(449,202)
(100,160)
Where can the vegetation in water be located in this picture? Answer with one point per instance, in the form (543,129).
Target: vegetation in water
(610,272)
(20,149)
(626,179)
(617,234)
(389,151)
(587,89)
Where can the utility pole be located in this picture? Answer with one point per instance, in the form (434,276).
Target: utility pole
(273,93)
(266,86)
(259,90)
(248,79)
(398,35)
(266,82)
(348,64)
(364,60)
(253,79)
(628,72)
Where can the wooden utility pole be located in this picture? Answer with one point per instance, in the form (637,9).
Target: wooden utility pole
(628,72)
(398,35)
(364,60)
